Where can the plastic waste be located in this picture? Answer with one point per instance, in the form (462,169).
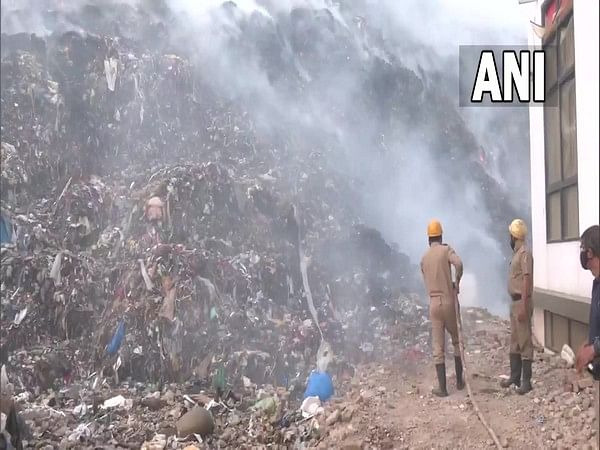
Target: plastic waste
(5,230)
(81,433)
(20,316)
(110,71)
(154,209)
(56,268)
(267,405)
(80,410)
(145,276)
(117,402)
(5,384)
(568,355)
(117,339)
(219,381)
(319,385)
(311,406)
(324,356)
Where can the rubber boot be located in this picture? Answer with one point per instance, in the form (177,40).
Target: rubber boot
(515,371)
(526,384)
(460,383)
(441,391)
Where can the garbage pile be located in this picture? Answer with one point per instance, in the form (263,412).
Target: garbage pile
(126,288)
(184,266)
(158,260)
(188,274)
(155,232)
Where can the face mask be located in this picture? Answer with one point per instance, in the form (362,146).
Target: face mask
(583,259)
(512,242)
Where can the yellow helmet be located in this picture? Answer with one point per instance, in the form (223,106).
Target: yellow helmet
(518,229)
(434,229)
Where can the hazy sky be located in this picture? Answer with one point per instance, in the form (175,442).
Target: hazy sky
(442,23)
(446,24)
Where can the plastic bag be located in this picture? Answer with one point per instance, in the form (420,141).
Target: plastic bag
(324,356)
(319,385)
(117,339)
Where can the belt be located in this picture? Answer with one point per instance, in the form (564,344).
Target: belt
(516,297)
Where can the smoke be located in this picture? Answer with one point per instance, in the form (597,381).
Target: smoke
(371,85)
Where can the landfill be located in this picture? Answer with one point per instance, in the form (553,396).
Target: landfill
(171,273)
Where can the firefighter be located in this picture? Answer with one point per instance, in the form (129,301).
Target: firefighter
(520,287)
(437,276)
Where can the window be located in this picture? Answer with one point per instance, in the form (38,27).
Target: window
(560,128)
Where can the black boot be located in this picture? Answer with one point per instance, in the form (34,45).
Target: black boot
(441,376)
(515,371)
(526,384)
(460,383)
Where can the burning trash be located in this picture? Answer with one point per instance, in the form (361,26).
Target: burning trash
(175,269)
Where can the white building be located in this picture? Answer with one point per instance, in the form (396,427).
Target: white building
(564,168)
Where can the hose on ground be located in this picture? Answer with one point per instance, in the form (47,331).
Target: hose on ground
(461,344)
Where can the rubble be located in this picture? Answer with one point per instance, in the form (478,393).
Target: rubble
(377,407)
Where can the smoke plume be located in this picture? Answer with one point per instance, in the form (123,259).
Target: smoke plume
(369,86)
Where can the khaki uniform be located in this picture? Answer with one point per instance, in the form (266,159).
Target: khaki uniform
(521,264)
(435,267)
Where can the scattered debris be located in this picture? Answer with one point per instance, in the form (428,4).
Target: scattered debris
(195,421)
(568,355)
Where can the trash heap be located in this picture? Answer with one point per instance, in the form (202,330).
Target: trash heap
(187,275)
(157,259)
(154,240)
(186,257)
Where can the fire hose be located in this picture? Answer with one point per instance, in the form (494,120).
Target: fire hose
(461,344)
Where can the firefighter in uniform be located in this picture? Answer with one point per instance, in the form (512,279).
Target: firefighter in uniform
(437,275)
(520,287)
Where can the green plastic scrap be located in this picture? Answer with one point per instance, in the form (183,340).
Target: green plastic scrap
(268,405)
(219,381)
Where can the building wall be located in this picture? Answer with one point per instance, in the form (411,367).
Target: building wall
(556,265)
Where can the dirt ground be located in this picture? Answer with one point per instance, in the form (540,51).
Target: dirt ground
(393,406)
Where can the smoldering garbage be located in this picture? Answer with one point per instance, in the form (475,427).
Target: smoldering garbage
(202,297)
(150,255)
(119,284)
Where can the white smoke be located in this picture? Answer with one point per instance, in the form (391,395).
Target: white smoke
(402,185)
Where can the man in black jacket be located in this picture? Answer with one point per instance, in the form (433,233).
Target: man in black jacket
(590,352)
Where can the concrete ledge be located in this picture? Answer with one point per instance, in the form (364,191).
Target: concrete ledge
(570,306)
